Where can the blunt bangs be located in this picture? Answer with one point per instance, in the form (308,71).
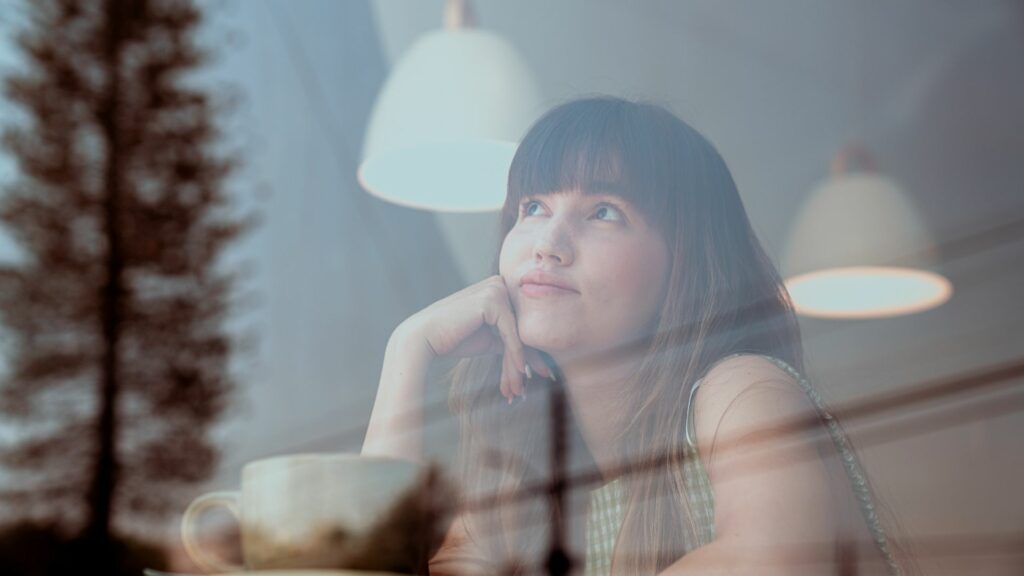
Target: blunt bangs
(596,146)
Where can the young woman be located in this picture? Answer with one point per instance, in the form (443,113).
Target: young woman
(629,277)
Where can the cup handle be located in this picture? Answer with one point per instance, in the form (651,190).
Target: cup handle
(204,559)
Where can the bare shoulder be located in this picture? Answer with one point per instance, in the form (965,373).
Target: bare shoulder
(771,487)
(744,375)
(745,395)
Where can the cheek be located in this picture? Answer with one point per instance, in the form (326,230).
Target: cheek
(633,284)
(633,281)
(510,257)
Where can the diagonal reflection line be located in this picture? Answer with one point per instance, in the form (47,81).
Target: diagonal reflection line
(972,383)
(971,242)
(984,379)
(984,544)
(880,434)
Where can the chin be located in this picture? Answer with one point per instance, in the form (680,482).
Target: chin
(547,337)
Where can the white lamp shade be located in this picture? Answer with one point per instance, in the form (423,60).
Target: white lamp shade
(859,250)
(447,122)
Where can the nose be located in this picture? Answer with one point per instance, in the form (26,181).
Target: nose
(554,243)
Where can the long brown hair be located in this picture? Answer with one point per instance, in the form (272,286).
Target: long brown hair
(724,296)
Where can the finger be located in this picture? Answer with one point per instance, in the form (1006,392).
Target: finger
(505,322)
(504,379)
(516,375)
(538,364)
(510,383)
(509,370)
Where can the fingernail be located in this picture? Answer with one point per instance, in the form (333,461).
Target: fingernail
(546,372)
(529,372)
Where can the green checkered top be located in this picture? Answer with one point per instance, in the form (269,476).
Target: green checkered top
(606,502)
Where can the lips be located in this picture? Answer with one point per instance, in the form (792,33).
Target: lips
(544,290)
(540,278)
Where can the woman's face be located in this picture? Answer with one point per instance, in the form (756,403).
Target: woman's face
(603,249)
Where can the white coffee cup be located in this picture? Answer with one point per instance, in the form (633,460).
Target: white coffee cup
(290,507)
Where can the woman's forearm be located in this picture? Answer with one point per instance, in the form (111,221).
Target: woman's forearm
(396,421)
(722,557)
(711,559)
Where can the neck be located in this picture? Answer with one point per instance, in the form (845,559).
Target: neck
(597,390)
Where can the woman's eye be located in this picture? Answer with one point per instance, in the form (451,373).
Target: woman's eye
(602,211)
(526,205)
(606,209)
(524,208)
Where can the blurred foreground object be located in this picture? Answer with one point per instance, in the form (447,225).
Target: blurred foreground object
(117,356)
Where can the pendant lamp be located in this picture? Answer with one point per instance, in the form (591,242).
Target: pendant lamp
(446,124)
(858,249)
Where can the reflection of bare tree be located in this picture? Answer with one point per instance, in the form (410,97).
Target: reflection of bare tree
(118,353)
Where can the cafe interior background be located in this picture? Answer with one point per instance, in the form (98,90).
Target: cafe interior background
(923,94)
